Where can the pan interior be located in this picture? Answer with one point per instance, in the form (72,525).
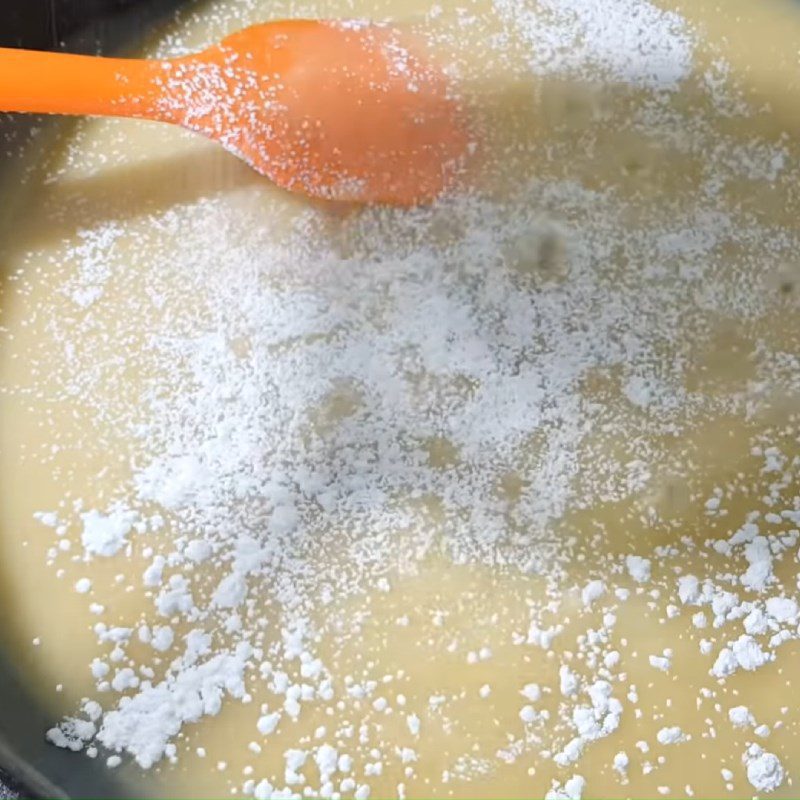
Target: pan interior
(463,501)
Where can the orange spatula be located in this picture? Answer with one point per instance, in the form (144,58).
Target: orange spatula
(343,110)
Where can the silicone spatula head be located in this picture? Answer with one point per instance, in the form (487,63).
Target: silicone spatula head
(340,110)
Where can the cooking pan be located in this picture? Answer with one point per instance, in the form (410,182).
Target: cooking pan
(88,26)
(28,765)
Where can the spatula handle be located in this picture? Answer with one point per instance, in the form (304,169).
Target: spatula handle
(62,83)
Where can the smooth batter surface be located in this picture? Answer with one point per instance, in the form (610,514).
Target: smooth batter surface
(400,460)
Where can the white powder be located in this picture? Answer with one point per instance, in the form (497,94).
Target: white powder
(726,664)
(153,575)
(740,716)
(612,659)
(662,663)
(764,770)
(593,591)
(569,681)
(293,417)
(759,573)
(782,609)
(162,638)
(295,761)
(531,691)
(327,760)
(268,723)
(638,568)
(672,735)
(145,725)
(263,790)
(104,534)
(745,653)
(571,752)
(198,550)
(572,789)
(230,592)
(624,40)
(756,622)
(688,589)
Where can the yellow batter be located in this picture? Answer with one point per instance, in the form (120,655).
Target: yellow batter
(487,407)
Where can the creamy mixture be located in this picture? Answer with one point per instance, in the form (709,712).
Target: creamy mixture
(499,497)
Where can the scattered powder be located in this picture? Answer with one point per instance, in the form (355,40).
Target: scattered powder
(764,770)
(638,568)
(343,386)
(740,716)
(621,762)
(268,723)
(671,735)
(104,534)
(593,590)
(571,789)
(625,40)
(662,663)
(532,692)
